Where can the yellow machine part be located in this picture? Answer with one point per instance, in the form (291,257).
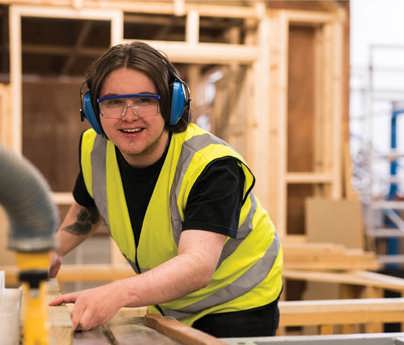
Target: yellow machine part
(34,306)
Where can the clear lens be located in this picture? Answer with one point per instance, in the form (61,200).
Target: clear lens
(118,107)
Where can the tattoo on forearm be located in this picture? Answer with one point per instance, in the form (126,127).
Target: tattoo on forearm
(86,218)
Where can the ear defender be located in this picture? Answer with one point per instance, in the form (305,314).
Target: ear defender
(179,100)
(88,113)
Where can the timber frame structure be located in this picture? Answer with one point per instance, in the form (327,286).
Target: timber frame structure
(264,118)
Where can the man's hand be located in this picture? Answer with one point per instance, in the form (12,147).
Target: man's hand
(94,307)
(55,263)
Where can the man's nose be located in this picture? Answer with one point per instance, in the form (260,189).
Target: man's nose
(130,112)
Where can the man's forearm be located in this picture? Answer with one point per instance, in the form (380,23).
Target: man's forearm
(190,270)
(79,224)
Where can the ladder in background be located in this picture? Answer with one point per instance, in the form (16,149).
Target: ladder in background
(383,205)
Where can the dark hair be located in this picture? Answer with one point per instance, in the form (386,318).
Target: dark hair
(142,57)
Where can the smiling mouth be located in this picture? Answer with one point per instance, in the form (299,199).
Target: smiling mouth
(131,130)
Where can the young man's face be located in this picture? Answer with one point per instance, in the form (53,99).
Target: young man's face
(138,134)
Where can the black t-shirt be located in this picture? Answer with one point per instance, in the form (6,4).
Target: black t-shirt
(213,204)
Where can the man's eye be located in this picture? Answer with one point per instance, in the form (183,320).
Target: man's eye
(114,102)
(144,100)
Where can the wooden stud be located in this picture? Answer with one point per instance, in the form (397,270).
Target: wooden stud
(337,108)
(259,152)
(16,76)
(192,28)
(319,134)
(277,96)
(5,116)
(179,7)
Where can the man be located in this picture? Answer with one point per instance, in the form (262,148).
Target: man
(178,202)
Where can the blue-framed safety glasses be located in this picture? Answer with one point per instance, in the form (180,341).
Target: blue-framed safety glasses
(115,106)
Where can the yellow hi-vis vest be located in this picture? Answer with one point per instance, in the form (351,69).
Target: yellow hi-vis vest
(248,274)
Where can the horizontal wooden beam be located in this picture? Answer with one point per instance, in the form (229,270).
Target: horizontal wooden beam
(341,312)
(311,18)
(60,50)
(178,331)
(155,7)
(149,7)
(308,177)
(205,53)
(78,273)
(63,198)
(359,278)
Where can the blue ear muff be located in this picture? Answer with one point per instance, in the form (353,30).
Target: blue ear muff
(178,102)
(89,113)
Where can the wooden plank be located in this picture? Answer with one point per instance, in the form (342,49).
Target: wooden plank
(312,261)
(374,281)
(319,104)
(205,53)
(308,177)
(326,95)
(94,272)
(76,273)
(179,7)
(150,7)
(63,198)
(192,28)
(337,107)
(310,18)
(60,325)
(332,312)
(259,154)
(180,332)
(96,336)
(133,331)
(155,7)
(15,76)
(277,95)
(5,116)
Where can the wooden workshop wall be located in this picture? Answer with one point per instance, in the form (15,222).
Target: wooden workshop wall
(51,129)
(47,124)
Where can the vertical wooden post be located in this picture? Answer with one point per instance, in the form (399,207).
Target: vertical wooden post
(337,109)
(16,77)
(259,146)
(277,95)
(192,27)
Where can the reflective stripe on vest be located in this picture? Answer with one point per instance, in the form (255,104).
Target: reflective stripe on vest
(187,152)
(98,159)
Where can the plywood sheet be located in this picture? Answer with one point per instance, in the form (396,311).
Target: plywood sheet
(336,221)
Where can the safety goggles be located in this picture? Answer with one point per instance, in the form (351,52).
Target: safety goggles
(116,106)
